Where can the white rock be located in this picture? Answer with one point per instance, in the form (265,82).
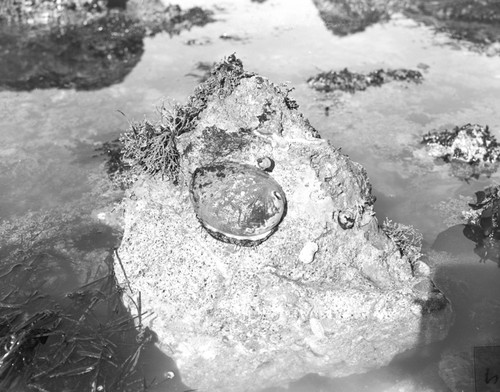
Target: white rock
(308,251)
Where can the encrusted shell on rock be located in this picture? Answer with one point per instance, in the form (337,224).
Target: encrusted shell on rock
(266,164)
(237,203)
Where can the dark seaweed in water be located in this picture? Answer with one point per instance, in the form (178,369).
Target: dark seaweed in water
(151,147)
(84,340)
(351,82)
(484,224)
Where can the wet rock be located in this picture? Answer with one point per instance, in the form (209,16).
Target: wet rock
(237,318)
(483,224)
(470,146)
(351,82)
(80,44)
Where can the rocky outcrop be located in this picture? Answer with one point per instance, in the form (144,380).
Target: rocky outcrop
(329,292)
(471,150)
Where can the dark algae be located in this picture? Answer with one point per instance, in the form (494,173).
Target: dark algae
(351,82)
(483,225)
(81,340)
(150,147)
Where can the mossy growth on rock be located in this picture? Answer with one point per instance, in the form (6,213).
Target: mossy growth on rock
(406,237)
(225,76)
(150,147)
(351,82)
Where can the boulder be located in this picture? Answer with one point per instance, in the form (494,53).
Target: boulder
(329,292)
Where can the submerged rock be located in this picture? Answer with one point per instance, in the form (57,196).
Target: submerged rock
(471,148)
(238,318)
(351,82)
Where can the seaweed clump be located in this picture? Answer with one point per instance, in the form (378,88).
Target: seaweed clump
(483,226)
(471,149)
(224,77)
(406,237)
(151,148)
(84,340)
(351,82)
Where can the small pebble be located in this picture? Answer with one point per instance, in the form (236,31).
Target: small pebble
(421,269)
(169,375)
(308,251)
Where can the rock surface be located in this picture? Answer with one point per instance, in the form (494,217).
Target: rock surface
(241,319)
(471,150)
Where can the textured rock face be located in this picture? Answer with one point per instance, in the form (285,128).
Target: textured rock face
(241,319)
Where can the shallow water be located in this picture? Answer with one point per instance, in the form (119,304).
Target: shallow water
(52,177)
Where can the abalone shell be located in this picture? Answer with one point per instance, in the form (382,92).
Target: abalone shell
(237,203)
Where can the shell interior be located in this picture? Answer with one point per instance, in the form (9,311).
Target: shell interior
(238,201)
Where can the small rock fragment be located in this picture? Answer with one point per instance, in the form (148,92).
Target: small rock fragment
(421,269)
(308,251)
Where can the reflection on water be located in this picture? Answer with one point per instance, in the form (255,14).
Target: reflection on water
(87,46)
(58,211)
